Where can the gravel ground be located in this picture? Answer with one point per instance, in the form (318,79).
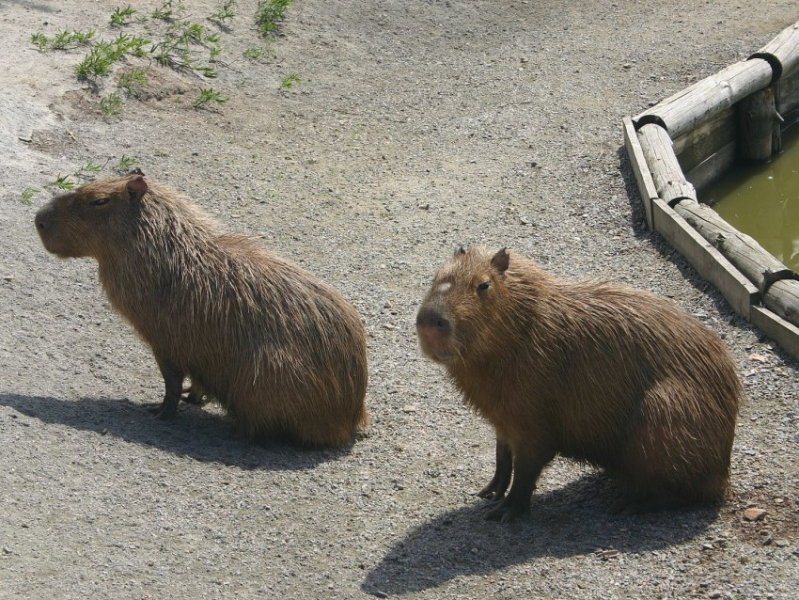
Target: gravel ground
(418,125)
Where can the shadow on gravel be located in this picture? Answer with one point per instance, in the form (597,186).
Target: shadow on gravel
(570,521)
(195,432)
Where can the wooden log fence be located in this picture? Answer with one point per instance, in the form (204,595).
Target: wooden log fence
(733,113)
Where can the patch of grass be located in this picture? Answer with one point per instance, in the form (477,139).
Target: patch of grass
(126,163)
(253,53)
(269,14)
(224,12)
(132,81)
(103,55)
(292,79)
(28,194)
(111,104)
(208,96)
(122,16)
(65,40)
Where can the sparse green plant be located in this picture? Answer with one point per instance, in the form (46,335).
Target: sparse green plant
(163,12)
(121,16)
(292,79)
(111,104)
(126,163)
(62,182)
(132,81)
(208,95)
(253,53)
(207,71)
(214,52)
(224,12)
(40,41)
(63,40)
(269,14)
(28,194)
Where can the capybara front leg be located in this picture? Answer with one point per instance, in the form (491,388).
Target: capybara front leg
(526,470)
(498,485)
(173,388)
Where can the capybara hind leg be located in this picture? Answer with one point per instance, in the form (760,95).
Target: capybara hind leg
(173,387)
(194,394)
(498,485)
(526,470)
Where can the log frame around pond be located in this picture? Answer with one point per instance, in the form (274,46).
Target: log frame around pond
(757,285)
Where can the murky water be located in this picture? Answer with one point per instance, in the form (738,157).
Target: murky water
(763,200)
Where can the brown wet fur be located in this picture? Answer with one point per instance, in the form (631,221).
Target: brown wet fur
(282,351)
(601,373)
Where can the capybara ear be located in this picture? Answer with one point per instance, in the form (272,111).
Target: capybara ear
(137,187)
(460,251)
(501,260)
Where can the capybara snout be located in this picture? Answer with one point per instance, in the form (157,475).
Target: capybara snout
(282,351)
(600,373)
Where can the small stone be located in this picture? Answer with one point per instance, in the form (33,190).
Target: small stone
(754,514)
(782,543)
(409,408)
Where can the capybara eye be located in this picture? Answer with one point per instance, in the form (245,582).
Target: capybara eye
(484,286)
(100,201)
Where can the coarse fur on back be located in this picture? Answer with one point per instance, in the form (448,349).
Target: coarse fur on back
(597,372)
(282,351)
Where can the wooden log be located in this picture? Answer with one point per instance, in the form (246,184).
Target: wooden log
(646,187)
(749,257)
(781,331)
(782,52)
(705,258)
(696,145)
(670,182)
(757,115)
(709,170)
(685,110)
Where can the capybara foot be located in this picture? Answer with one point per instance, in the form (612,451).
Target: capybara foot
(492,491)
(193,394)
(506,512)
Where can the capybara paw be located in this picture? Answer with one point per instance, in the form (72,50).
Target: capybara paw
(489,492)
(506,512)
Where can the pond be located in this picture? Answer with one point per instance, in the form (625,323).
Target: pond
(763,200)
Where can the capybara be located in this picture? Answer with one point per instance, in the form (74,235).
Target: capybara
(282,351)
(601,373)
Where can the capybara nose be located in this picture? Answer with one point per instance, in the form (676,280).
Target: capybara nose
(429,317)
(39,221)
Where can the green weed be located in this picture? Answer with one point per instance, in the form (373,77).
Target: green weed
(111,104)
(121,16)
(126,163)
(207,96)
(28,194)
(224,12)
(253,53)
(292,79)
(269,14)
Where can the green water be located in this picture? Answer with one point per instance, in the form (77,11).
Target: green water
(763,201)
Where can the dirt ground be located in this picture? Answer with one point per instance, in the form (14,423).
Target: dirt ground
(416,126)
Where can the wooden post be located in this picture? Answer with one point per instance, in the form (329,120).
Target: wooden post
(757,115)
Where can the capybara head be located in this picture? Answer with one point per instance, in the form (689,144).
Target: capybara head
(457,313)
(81,223)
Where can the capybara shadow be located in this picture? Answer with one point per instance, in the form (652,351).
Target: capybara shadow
(601,373)
(281,351)
(569,521)
(200,434)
